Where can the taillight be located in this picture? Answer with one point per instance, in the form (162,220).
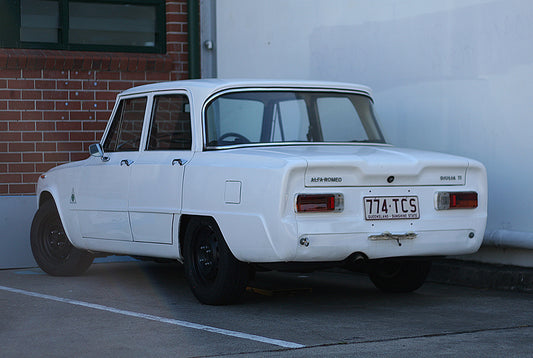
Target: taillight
(456,200)
(313,203)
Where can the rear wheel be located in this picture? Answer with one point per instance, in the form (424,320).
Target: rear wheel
(399,276)
(215,276)
(51,247)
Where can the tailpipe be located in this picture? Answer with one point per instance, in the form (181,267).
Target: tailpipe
(356,262)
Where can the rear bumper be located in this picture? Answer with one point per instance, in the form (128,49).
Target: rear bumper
(337,247)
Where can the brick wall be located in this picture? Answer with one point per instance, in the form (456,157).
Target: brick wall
(53,104)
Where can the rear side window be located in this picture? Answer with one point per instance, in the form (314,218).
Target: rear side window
(171,123)
(126,128)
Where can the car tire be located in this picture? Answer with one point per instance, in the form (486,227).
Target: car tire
(215,276)
(51,247)
(399,276)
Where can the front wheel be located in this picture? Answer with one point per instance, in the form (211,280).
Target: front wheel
(51,247)
(215,276)
(399,276)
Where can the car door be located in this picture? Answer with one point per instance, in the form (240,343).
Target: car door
(157,174)
(102,195)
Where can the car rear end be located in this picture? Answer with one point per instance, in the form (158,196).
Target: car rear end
(384,202)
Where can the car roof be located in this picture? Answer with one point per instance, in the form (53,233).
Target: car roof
(207,87)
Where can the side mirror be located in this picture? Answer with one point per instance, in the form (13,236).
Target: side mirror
(96,150)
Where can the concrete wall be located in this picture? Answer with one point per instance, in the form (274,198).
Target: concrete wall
(15,221)
(450,76)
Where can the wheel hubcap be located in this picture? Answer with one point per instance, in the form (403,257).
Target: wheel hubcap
(56,244)
(206,255)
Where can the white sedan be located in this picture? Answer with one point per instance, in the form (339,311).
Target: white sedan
(229,177)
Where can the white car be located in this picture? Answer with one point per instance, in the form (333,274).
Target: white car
(229,177)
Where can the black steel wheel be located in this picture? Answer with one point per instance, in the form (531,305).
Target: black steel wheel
(215,276)
(399,276)
(51,247)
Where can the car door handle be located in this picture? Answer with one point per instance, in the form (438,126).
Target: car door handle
(126,162)
(179,161)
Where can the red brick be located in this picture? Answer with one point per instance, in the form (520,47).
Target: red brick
(32,136)
(103,117)
(31,73)
(81,95)
(56,157)
(45,84)
(82,116)
(46,126)
(45,105)
(21,126)
(82,136)
(3,126)
(56,74)
(74,157)
(175,17)
(93,126)
(22,188)
(157,76)
(3,83)
(10,94)
(3,59)
(32,157)
(32,116)
(46,147)
(44,167)
(10,157)
(3,168)
(55,116)
(11,136)
(55,136)
(21,147)
(4,189)
(30,178)
(82,75)
(21,105)
(21,168)
(106,96)
(68,126)
(9,116)
(10,178)
(69,147)
(56,94)
(11,74)
(21,84)
(94,106)
(95,85)
(120,86)
(34,65)
(69,85)
(29,94)
(68,105)
(107,75)
(141,83)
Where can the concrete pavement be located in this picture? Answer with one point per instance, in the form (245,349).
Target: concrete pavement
(144,309)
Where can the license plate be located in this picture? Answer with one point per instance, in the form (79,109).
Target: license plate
(391,207)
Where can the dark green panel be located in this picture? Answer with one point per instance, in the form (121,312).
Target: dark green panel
(9,23)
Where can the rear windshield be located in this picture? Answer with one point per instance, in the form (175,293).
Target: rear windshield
(269,117)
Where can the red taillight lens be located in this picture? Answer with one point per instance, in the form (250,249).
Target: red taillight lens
(457,200)
(308,203)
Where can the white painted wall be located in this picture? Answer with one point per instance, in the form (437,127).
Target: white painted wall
(448,75)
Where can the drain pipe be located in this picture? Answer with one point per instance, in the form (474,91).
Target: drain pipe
(193,11)
(509,239)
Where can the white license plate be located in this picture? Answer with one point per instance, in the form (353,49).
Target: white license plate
(391,207)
